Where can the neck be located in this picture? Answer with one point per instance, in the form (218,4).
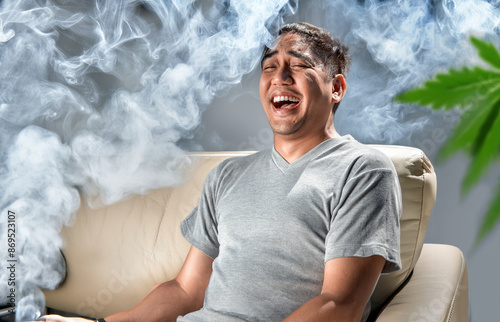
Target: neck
(293,148)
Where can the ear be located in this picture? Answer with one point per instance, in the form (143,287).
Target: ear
(339,88)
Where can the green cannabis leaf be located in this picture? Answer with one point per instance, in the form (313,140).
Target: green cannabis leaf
(477,91)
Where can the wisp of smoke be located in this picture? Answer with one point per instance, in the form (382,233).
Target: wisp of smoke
(397,45)
(94,97)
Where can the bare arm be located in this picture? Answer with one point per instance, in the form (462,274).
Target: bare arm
(168,300)
(347,286)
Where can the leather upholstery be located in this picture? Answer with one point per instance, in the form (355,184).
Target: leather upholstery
(437,290)
(116,254)
(418,185)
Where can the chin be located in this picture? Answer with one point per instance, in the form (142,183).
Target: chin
(284,131)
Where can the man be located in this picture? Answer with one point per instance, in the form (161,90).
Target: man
(300,232)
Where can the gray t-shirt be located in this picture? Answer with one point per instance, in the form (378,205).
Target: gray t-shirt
(270,226)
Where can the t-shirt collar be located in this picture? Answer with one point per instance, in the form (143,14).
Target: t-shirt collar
(283,165)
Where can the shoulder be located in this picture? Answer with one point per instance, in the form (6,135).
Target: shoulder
(232,168)
(360,157)
(373,158)
(239,163)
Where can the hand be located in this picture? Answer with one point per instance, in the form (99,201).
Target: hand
(58,318)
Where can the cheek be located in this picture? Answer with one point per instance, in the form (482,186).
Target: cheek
(322,92)
(308,83)
(313,84)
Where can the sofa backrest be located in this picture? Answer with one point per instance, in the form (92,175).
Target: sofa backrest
(418,187)
(116,254)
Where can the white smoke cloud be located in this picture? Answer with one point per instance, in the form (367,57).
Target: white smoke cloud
(96,95)
(397,45)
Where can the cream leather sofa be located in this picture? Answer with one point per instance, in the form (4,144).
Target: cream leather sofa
(117,254)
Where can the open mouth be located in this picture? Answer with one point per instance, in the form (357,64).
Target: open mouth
(285,102)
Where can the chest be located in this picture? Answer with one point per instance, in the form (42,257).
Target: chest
(278,207)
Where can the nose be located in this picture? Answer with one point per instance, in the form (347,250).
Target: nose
(282,76)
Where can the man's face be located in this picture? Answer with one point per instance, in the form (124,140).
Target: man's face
(296,93)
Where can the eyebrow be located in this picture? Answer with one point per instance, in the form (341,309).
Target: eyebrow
(299,55)
(293,53)
(268,55)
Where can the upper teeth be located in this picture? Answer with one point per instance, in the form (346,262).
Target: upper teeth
(285,98)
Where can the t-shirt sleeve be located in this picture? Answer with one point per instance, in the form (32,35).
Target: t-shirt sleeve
(365,221)
(200,226)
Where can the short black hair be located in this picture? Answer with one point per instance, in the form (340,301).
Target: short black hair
(331,52)
(328,49)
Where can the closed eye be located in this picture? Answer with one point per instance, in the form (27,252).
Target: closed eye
(268,67)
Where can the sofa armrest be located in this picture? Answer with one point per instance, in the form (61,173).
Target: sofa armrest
(437,290)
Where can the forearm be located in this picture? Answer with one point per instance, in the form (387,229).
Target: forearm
(325,308)
(165,303)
